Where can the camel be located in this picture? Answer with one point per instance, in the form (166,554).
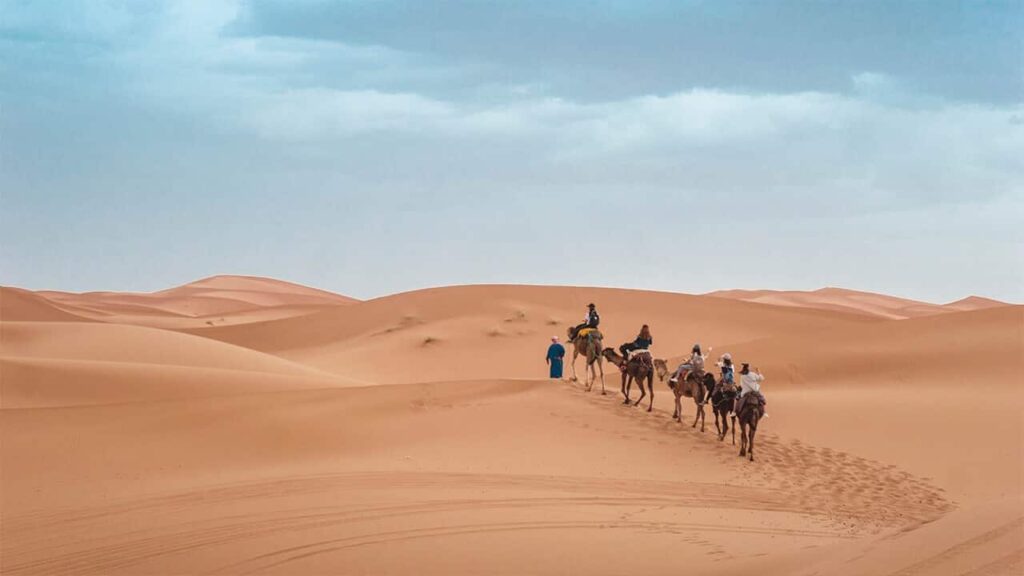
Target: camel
(750,413)
(589,346)
(638,368)
(693,386)
(721,405)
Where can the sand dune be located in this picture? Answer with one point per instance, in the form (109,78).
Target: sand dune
(855,301)
(974,303)
(107,342)
(49,383)
(983,349)
(483,331)
(264,443)
(20,305)
(568,476)
(214,296)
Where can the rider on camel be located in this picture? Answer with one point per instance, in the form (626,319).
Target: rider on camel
(591,321)
(750,384)
(727,380)
(643,341)
(694,365)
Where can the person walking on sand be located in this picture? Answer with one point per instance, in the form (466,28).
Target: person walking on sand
(556,354)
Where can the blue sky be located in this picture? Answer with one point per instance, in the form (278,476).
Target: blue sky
(370,147)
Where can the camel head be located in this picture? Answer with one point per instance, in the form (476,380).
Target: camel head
(709,380)
(568,334)
(661,368)
(612,356)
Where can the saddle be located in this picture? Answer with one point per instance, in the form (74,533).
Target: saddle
(642,358)
(696,374)
(751,399)
(723,393)
(587,333)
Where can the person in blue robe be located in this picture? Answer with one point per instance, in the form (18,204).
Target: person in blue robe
(556,354)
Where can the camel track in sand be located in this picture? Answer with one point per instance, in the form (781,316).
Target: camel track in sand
(830,482)
(845,496)
(284,520)
(1007,564)
(134,546)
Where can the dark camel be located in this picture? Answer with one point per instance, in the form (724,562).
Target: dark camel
(722,404)
(693,386)
(750,413)
(589,346)
(638,368)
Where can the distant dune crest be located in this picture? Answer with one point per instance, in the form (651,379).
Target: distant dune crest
(856,301)
(216,300)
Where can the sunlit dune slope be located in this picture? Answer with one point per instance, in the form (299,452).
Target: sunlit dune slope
(982,348)
(210,296)
(839,299)
(23,305)
(137,344)
(481,331)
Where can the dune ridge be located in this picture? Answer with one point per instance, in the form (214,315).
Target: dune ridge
(856,301)
(207,300)
(17,305)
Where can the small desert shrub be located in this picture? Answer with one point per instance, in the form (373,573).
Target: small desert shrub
(517,316)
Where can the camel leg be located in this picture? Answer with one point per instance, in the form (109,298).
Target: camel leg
(640,386)
(600,366)
(575,353)
(626,384)
(678,414)
(743,438)
(734,430)
(750,447)
(650,388)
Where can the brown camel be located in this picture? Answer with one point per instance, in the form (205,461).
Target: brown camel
(693,386)
(638,368)
(750,413)
(721,405)
(589,346)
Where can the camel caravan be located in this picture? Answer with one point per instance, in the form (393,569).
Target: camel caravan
(729,401)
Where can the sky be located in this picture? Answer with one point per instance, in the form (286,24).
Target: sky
(375,146)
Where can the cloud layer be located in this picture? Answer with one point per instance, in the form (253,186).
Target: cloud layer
(518,117)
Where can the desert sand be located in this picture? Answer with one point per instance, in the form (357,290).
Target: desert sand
(242,425)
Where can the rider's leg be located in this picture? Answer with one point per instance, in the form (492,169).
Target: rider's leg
(679,371)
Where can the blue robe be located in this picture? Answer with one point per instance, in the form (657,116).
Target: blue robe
(556,352)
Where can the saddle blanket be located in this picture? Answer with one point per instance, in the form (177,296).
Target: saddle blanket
(753,397)
(587,332)
(634,353)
